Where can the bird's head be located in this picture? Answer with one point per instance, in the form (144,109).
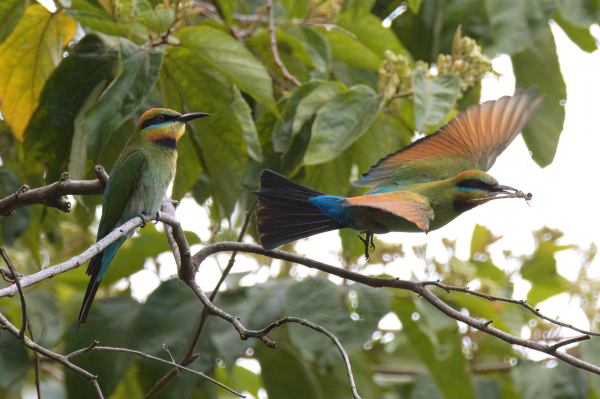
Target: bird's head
(165,126)
(473,187)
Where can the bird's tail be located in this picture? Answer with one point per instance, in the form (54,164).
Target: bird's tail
(96,270)
(285,212)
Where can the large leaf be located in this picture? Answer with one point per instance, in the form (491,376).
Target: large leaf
(434,97)
(96,18)
(301,107)
(538,65)
(516,24)
(50,132)
(225,54)
(13,359)
(581,36)
(134,82)
(27,57)
(244,116)
(563,381)
(10,13)
(541,271)
(438,344)
(12,227)
(187,78)
(110,322)
(340,122)
(327,305)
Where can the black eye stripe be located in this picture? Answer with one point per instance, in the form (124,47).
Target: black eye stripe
(156,120)
(475,183)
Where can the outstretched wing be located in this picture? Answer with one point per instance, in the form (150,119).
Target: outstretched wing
(410,206)
(472,140)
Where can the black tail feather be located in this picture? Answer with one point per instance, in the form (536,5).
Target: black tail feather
(285,213)
(93,270)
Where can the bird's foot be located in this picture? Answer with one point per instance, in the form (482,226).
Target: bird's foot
(157,216)
(368,241)
(145,219)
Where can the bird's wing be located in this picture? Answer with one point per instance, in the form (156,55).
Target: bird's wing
(124,178)
(410,206)
(472,140)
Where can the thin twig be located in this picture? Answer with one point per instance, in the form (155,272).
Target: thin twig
(21,294)
(491,298)
(329,335)
(274,49)
(569,341)
(95,347)
(403,94)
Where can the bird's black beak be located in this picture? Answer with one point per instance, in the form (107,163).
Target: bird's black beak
(191,116)
(509,192)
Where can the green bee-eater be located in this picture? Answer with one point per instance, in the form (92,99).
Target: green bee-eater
(137,184)
(422,187)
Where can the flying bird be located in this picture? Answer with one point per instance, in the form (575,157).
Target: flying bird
(137,184)
(419,188)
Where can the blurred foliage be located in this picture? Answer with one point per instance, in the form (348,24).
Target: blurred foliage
(73,84)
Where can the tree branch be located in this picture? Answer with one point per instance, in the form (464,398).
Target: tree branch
(51,195)
(21,295)
(190,356)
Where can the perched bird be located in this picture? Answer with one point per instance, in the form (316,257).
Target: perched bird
(422,187)
(137,184)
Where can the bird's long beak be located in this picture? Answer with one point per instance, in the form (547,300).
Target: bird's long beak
(191,116)
(509,192)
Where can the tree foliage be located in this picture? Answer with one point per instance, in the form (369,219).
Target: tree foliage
(73,84)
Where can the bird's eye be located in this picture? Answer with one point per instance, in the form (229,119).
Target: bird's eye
(160,117)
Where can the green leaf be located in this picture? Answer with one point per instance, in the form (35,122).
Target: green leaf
(358,8)
(96,18)
(340,122)
(159,19)
(541,271)
(301,107)
(516,24)
(369,31)
(226,8)
(111,323)
(580,13)
(188,167)
(580,36)
(27,58)
(49,135)
(244,115)
(538,65)
(434,97)
(414,6)
(318,48)
(437,341)
(533,381)
(346,47)
(185,79)
(13,359)
(229,57)
(133,84)
(481,239)
(297,8)
(12,227)
(10,13)
(328,305)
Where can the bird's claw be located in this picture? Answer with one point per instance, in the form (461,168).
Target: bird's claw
(157,216)
(368,241)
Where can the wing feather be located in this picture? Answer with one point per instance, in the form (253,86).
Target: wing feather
(474,138)
(405,204)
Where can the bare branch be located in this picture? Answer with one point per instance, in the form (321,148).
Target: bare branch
(329,335)
(274,49)
(569,341)
(418,288)
(51,195)
(21,295)
(536,312)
